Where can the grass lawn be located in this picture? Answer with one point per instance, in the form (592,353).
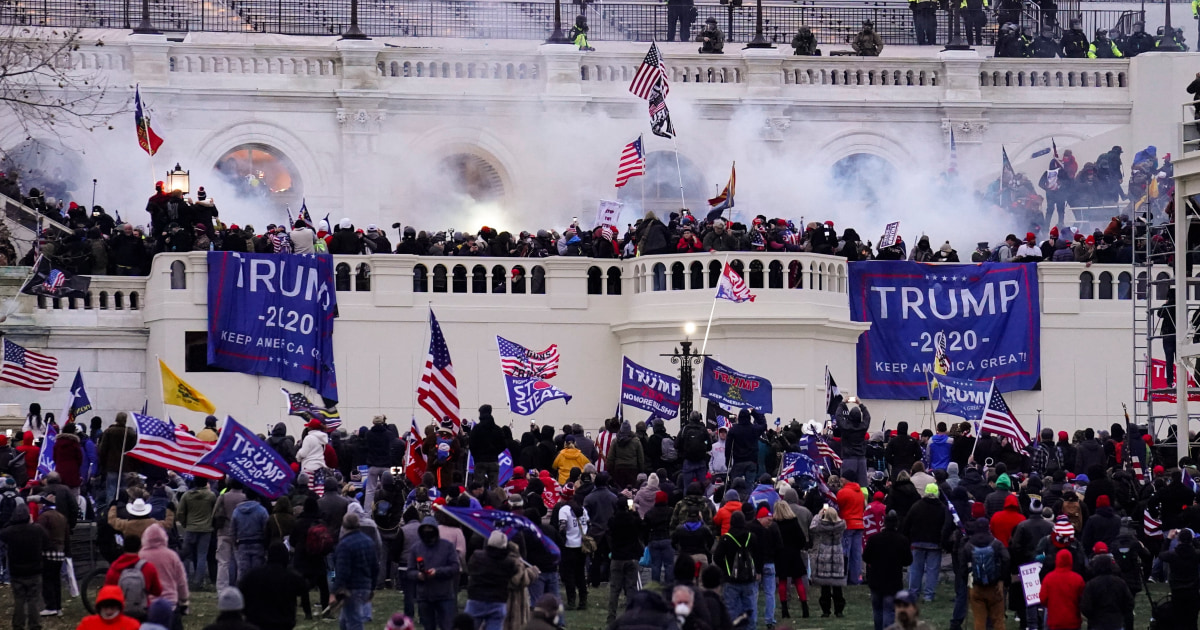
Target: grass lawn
(857,615)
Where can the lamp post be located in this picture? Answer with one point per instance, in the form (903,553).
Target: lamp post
(685,358)
(354,32)
(556,36)
(178,179)
(956,42)
(1168,43)
(760,40)
(145,28)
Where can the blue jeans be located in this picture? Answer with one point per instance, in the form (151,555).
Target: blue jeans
(749,470)
(546,583)
(883,608)
(926,563)
(852,545)
(437,614)
(768,589)
(662,562)
(740,599)
(694,471)
(111,482)
(487,615)
(356,610)
(195,556)
(3,564)
(249,556)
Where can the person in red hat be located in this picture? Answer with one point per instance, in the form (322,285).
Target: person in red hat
(1066,450)
(1029,250)
(311,454)
(1050,244)
(1102,527)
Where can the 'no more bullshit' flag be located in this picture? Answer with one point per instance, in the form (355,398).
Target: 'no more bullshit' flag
(649,390)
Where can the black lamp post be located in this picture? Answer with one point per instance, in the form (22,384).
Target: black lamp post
(354,32)
(685,358)
(556,36)
(1168,43)
(956,42)
(145,28)
(760,40)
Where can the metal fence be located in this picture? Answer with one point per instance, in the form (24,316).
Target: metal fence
(831,21)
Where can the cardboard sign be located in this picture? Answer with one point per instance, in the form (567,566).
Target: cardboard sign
(1032,582)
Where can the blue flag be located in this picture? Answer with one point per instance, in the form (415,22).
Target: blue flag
(726,386)
(649,390)
(959,396)
(272,315)
(45,463)
(796,465)
(484,522)
(78,402)
(525,395)
(241,455)
(506,467)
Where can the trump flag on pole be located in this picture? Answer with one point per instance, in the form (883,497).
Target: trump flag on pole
(243,456)
(732,287)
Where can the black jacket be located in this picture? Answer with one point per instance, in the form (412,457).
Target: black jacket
(1184,563)
(487,440)
(925,521)
(742,443)
(852,428)
(1026,536)
(624,534)
(379,446)
(886,555)
(693,539)
(726,550)
(901,452)
(271,592)
(25,542)
(490,570)
(1103,526)
(345,242)
(1105,598)
(657,523)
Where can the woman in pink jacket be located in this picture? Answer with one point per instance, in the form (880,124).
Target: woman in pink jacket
(170,568)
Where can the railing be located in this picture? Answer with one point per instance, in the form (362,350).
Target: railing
(832,21)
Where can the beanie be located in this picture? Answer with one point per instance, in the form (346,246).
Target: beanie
(1062,436)
(1103,501)
(399,621)
(978,510)
(497,540)
(1004,482)
(931,490)
(1063,528)
(763,512)
(230,600)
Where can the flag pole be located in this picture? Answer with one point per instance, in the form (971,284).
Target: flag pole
(679,170)
(932,407)
(424,344)
(643,174)
(712,310)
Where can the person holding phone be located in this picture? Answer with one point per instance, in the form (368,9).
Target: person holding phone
(625,540)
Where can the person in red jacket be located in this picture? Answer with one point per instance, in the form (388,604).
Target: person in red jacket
(68,457)
(722,517)
(851,507)
(31,452)
(1005,521)
(110,606)
(689,243)
(1062,590)
(131,547)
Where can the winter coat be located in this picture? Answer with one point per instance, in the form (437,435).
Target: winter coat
(1022,545)
(722,517)
(196,510)
(727,548)
(490,570)
(1183,562)
(1103,526)
(702,505)
(625,459)
(270,592)
(625,535)
(694,539)
(852,427)
(851,505)
(1005,521)
(379,446)
(250,523)
(128,560)
(925,521)
(791,563)
(282,443)
(137,526)
(904,495)
(1106,597)
(110,449)
(600,504)
(1062,589)
(311,455)
(886,555)
(1089,453)
(171,573)
(567,459)
(901,452)
(120,622)
(26,541)
(828,561)
(68,459)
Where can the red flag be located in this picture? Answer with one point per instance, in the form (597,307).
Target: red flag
(414,463)
(147,139)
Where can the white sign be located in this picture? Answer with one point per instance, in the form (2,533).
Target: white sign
(609,213)
(1032,582)
(889,234)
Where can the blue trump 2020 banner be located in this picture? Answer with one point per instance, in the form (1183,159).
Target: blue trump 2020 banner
(241,455)
(732,388)
(986,315)
(960,397)
(646,389)
(272,315)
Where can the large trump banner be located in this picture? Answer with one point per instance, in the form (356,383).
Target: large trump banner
(985,317)
(273,315)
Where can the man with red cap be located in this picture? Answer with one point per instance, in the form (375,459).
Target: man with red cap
(1103,526)
(1029,250)
(1050,244)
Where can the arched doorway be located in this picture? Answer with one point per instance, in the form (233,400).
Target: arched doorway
(261,172)
(864,177)
(44,165)
(661,183)
(474,176)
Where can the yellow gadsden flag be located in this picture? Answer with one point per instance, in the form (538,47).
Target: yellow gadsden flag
(178,393)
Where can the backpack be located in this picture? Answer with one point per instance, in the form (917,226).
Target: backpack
(669,454)
(1074,514)
(743,562)
(133,586)
(1127,559)
(983,565)
(8,503)
(320,246)
(318,541)
(692,443)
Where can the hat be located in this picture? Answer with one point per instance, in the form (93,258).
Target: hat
(660,498)
(1062,435)
(1030,236)
(380,419)
(1082,479)
(3,440)
(399,621)
(315,424)
(1004,482)
(763,512)
(1090,240)
(711,20)
(1054,232)
(978,510)
(230,600)
(1103,501)
(878,496)
(139,507)
(931,490)
(1099,547)
(1158,470)
(497,540)
(907,597)
(345,224)
(1063,528)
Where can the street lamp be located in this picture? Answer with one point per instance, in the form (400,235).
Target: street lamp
(760,40)
(956,42)
(556,36)
(1168,42)
(145,27)
(178,179)
(685,358)
(354,32)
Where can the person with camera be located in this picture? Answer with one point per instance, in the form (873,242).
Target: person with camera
(712,40)
(433,568)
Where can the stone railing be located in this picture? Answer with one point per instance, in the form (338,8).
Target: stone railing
(255,60)
(1035,73)
(862,71)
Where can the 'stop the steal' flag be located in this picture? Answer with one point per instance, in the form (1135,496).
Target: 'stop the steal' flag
(273,316)
(646,389)
(241,455)
(733,287)
(731,388)
(989,314)
(525,376)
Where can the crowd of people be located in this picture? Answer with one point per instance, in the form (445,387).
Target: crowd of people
(706,512)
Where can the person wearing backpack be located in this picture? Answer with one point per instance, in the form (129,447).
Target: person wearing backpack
(1062,590)
(694,446)
(137,578)
(26,542)
(311,542)
(986,562)
(739,558)
(171,573)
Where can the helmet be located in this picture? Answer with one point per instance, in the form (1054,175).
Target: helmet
(1101,33)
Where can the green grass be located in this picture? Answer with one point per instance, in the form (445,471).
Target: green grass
(857,614)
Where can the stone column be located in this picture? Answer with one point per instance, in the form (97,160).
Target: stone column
(560,69)
(764,71)
(151,64)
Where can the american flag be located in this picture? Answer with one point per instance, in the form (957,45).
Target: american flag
(830,497)
(649,73)
(518,361)
(818,448)
(952,167)
(722,422)
(299,405)
(27,368)
(1151,526)
(1139,471)
(161,444)
(1190,481)
(999,419)
(604,442)
(54,280)
(438,391)
(633,162)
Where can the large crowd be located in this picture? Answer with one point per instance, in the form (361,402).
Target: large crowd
(98,244)
(688,527)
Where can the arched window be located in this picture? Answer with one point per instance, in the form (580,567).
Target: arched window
(538,285)
(518,280)
(756,274)
(439,278)
(1162,288)
(499,279)
(660,276)
(421,279)
(178,275)
(1124,288)
(678,277)
(614,281)
(103,301)
(479,280)
(867,179)
(262,172)
(595,281)
(1106,285)
(341,277)
(795,275)
(775,275)
(133,300)
(118,301)
(362,279)
(714,273)
(1087,286)
(460,279)
(697,273)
